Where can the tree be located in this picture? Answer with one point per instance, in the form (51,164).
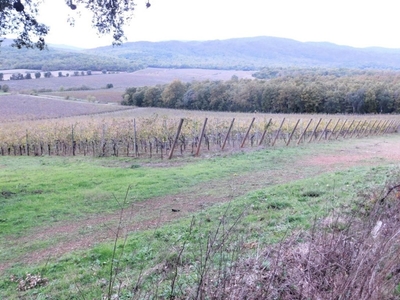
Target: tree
(1,76)
(37,75)
(108,17)
(5,88)
(152,97)
(172,95)
(17,76)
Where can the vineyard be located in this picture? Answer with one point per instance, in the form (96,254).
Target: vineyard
(166,137)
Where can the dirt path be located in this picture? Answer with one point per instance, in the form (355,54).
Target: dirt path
(66,237)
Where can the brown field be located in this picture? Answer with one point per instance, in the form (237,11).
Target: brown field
(19,107)
(113,95)
(56,86)
(146,77)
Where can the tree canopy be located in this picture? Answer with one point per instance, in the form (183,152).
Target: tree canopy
(19,17)
(330,91)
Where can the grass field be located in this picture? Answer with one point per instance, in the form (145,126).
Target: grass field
(60,215)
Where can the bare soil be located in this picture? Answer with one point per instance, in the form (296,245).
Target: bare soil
(151,213)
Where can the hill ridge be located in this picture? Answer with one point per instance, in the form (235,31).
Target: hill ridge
(250,53)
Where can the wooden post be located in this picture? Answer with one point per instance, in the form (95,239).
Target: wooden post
(365,129)
(247,133)
(135,145)
(27,143)
(279,130)
(201,136)
(381,130)
(361,129)
(315,129)
(388,127)
(377,127)
(73,140)
(176,139)
(348,129)
(265,131)
(355,129)
(384,129)
(396,125)
(323,131)
(340,130)
(227,135)
(303,133)
(372,127)
(291,135)
(102,143)
(334,128)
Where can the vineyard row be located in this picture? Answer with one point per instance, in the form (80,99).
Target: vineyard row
(184,137)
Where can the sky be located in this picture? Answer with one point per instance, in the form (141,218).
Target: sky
(356,23)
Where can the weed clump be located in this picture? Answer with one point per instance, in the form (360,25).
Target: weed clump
(29,282)
(353,255)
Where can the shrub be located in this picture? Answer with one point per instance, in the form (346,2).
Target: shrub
(5,88)
(109,86)
(17,76)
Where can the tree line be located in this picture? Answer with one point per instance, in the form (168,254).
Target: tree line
(284,91)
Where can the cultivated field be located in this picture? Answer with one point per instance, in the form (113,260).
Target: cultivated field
(145,77)
(296,219)
(90,129)
(16,108)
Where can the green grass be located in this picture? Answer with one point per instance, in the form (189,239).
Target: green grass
(38,192)
(50,189)
(269,215)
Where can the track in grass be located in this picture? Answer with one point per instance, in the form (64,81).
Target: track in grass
(68,236)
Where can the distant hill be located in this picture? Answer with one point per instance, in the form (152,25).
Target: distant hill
(253,53)
(241,53)
(60,57)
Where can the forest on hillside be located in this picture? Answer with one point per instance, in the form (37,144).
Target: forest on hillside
(232,54)
(280,90)
(54,59)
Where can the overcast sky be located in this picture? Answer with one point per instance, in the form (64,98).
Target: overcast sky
(357,23)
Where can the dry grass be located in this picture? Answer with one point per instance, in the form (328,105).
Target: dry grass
(345,256)
(351,254)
